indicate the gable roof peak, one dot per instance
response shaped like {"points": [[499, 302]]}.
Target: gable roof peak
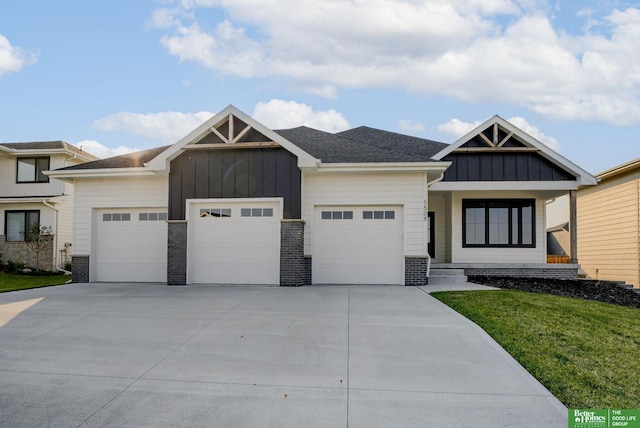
{"points": [[161, 162], [582, 176]]}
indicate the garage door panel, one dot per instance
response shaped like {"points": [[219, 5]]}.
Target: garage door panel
{"points": [[236, 249], [364, 248], [130, 250]]}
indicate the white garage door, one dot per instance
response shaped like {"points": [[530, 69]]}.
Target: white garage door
{"points": [[358, 245], [234, 243], [131, 245]]}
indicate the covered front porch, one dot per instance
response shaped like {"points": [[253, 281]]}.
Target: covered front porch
{"points": [[495, 233]]}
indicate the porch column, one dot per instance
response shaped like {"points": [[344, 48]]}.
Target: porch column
{"points": [[573, 226]]}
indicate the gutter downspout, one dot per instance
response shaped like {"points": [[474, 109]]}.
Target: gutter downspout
{"points": [[46, 203]]}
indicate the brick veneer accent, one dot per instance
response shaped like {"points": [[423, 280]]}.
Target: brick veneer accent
{"points": [[415, 271], [568, 272], [177, 252], [80, 268], [293, 264]]}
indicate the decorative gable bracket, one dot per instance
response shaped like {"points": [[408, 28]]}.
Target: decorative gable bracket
{"points": [[494, 138]]}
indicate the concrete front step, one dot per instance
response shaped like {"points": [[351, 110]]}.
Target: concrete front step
{"points": [[447, 276]]}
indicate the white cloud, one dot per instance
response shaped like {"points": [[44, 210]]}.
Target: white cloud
{"points": [[410, 126], [13, 58], [102, 151], [279, 114], [457, 128], [460, 48], [166, 127], [167, 18]]}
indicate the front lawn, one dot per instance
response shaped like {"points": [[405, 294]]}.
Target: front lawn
{"points": [[10, 282], [586, 353]]}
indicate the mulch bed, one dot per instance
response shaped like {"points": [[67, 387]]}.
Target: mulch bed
{"points": [[609, 292]]}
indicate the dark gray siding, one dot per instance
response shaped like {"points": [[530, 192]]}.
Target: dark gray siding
{"points": [[240, 173], [502, 167]]}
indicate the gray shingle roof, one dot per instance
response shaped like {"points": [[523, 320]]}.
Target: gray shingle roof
{"points": [[130, 160], [361, 145], [358, 145], [420, 147]]}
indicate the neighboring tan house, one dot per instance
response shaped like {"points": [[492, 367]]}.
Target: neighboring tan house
{"points": [[28, 196], [609, 225], [237, 202]]}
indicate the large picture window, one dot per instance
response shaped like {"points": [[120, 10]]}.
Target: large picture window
{"points": [[30, 170], [17, 223], [498, 223]]}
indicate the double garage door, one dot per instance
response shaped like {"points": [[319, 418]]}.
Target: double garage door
{"points": [[234, 243]]}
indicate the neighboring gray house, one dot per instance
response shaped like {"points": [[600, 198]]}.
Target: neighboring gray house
{"points": [[237, 202]]}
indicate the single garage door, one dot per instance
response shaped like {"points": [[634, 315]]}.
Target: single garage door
{"points": [[131, 245], [234, 243], [358, 245]]}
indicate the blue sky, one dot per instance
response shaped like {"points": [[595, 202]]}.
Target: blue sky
{"points": [[114, 76]]}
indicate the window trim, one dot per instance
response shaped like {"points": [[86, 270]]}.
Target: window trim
{"points": [[25, 219], [511, 204], [38, 169]]}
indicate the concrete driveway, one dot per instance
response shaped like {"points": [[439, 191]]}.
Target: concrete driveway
{"points": [[332, 356]]}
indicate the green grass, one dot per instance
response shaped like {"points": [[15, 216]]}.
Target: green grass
{"points": [[586, 353], [9, 282]]}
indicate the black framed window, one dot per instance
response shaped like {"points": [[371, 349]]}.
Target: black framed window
{"points": [[498, 223], [30, 170], [17, 223]]}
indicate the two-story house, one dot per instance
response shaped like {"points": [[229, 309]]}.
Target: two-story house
{"points": [[28, 196]]}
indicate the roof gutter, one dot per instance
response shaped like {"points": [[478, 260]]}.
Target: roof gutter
{"points": [[102, 172]]}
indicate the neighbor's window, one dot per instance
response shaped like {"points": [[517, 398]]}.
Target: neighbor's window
{"points": [[498, 223], [30, 170], [17, 223]]}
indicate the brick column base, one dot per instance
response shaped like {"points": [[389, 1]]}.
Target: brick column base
{"points": [[177, 252], [79, 268], [415, 271], [293, 265]]}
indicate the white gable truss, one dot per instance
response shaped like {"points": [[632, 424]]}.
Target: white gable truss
{"points": [[231, 128], [497, 135]]}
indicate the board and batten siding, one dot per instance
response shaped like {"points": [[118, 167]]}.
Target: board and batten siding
{"points": [[502, 167], [497, 255], [336, 189], [238, 173], [116, 192], [609, 229]]}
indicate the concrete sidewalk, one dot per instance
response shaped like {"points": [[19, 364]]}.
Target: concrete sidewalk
{"points": [[152, 355]]}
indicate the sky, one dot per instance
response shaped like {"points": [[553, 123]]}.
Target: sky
{"points": [[120, 75]]}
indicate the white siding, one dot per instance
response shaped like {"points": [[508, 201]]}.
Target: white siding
{"points": [[404, 189], [112, 193], [9, 187], [497, 255], [65, 222]]}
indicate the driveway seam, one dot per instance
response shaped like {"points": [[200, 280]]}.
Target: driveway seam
{"points": [[168, 355]]}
